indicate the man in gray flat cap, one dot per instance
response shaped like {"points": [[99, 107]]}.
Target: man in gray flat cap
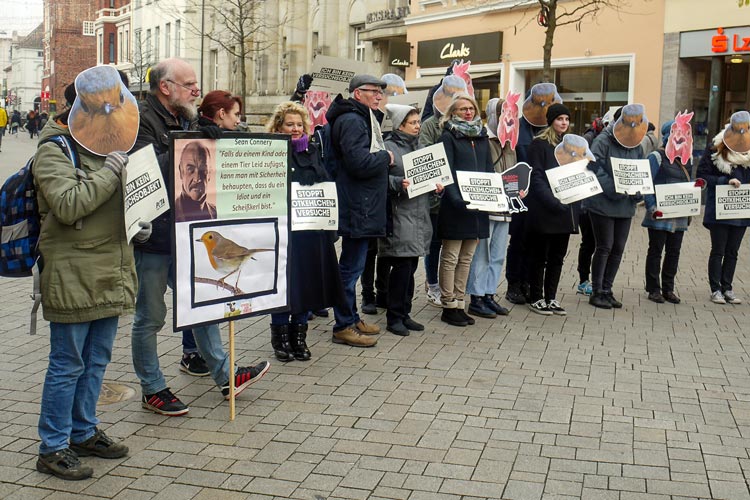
{"points": [[362, 184]]}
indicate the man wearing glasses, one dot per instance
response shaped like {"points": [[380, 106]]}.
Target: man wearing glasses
{"points": [[362, 184], [170, 106]]}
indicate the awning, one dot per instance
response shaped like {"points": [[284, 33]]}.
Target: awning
{"points": [[430, 81]]}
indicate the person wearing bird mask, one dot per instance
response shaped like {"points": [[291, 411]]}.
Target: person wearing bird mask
{"points": [[87, 282], [170, 106]]}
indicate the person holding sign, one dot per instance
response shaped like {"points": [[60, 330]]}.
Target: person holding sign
{"points": [[549, 222], [467, 148], [726, 162], [669, 165], [315, 282], [409, 230], [88, 281], [611, 212]]}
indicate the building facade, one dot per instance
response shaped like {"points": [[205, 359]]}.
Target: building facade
{"points": [[24, 74]]}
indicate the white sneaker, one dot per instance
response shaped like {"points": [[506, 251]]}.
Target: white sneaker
{"points": [[718, 298], [433, 297], [540, 307], [556, 308], [731, 297]]}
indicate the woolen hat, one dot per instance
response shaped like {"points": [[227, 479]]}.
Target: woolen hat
{"points": [[398, 113], [556, 110], [360, 80]]}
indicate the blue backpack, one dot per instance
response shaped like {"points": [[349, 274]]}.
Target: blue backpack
{"points": [[19, 215]]}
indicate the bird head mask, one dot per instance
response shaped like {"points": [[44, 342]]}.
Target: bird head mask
{"points": [[680, 141], [104, 117], [573, 148], [737, 133], [541, 97], [631, 127]]}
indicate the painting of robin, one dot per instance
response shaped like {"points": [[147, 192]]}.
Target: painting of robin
{"points": [[228, 257]]}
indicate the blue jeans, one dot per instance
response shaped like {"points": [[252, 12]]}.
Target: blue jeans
{"points": [[79, 354], [279, 319], [188, 342], [351, 266], [487, 265], [155, 272]]}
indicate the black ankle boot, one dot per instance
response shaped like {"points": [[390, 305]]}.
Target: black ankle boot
{"points": [[280, 343], [297, 338]]}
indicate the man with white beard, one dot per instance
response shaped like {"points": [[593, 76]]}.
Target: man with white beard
{"points": [[170, 106]]}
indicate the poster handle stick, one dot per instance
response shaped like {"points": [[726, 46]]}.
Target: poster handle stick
{"points": [[231, 370]]}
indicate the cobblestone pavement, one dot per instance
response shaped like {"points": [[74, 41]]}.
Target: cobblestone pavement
{"points": [[647, 402]]}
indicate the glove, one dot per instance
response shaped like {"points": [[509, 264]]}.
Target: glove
{"points": [[657, 214], [637, 196], [303, 84], [210, 131], [116, 161], [700, 183], [144, 234], [592, 166]]}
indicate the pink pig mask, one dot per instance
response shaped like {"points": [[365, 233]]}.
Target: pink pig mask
{"points": [[507, 125], [680, 142]]}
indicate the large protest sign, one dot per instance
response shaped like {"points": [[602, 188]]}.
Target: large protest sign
{"points": [[332, 74], [315, 206], [573, 182], [145, 193], [733, 203], [682, 199], [632, 176], [231, 228], [483, 190], [516, 179], [425, 168]]}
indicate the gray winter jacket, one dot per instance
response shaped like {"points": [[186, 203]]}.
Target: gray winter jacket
{"points": [[409, 229]]}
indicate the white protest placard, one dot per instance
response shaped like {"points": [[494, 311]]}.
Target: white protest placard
{"points": [[425, 168], [733, 203], [145, 193], [315, 207], [573, 182], [332, 74], [681, 199], [632, 176], [483, 190]]}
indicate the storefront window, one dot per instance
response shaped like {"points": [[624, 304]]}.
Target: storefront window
{"points": [[575, 80]]}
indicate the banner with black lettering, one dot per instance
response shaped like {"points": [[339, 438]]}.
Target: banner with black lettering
{"points": [[145, 193], [632, 176], [733, 203], [682, 199], [332, 74], [573, 182], [315, 207], [483, 190], [425, 168]]}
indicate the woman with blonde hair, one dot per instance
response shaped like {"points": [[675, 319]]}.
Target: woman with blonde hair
{"points": [[315, 282], [460, 228]]}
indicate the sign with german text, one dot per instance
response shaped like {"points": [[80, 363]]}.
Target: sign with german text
{"points": [[425, 168], [145, 193], [632, 176], [573, 182], [733, 203], [315, 207], [332, 74], [682, 199], [483, 190]]}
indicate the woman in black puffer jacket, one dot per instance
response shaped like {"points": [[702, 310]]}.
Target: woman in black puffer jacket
{"points": [[467, 148]]}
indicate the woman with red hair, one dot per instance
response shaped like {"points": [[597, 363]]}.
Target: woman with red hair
{"points": [[220, 108]]}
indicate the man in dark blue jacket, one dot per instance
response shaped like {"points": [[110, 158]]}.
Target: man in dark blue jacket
{"points": [[362, 184]]}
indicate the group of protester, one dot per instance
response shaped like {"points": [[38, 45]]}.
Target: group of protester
{"points": [[91, 275]]}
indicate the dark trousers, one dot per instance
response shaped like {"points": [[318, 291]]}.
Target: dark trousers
{"points": [[516, 270], [374, 279], [546, 261], [725, 244], [611, 234], [400, 272], [587, 248], [670, 243], [432, 259]]}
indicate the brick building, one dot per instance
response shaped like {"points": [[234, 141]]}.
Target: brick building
{"points": [[69, 46]]}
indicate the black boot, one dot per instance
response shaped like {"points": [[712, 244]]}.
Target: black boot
{"points": [[280, 343], [297, 338]]}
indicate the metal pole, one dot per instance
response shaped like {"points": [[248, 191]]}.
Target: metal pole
{"points": [[203, 27]]}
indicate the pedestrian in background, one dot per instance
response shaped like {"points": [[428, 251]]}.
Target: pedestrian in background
{"points": [[220, 108], [3, 124]]}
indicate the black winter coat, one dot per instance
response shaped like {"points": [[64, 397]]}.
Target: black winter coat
{"points": [[156, 124], [719, 172], [546, 214], [362, 177], [455, 221]]}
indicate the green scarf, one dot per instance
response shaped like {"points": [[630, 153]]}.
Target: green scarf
{"points": [[469, 129]]}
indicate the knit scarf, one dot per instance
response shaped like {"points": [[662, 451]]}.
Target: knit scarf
{"points": [[469, 129], [300, 144]]}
